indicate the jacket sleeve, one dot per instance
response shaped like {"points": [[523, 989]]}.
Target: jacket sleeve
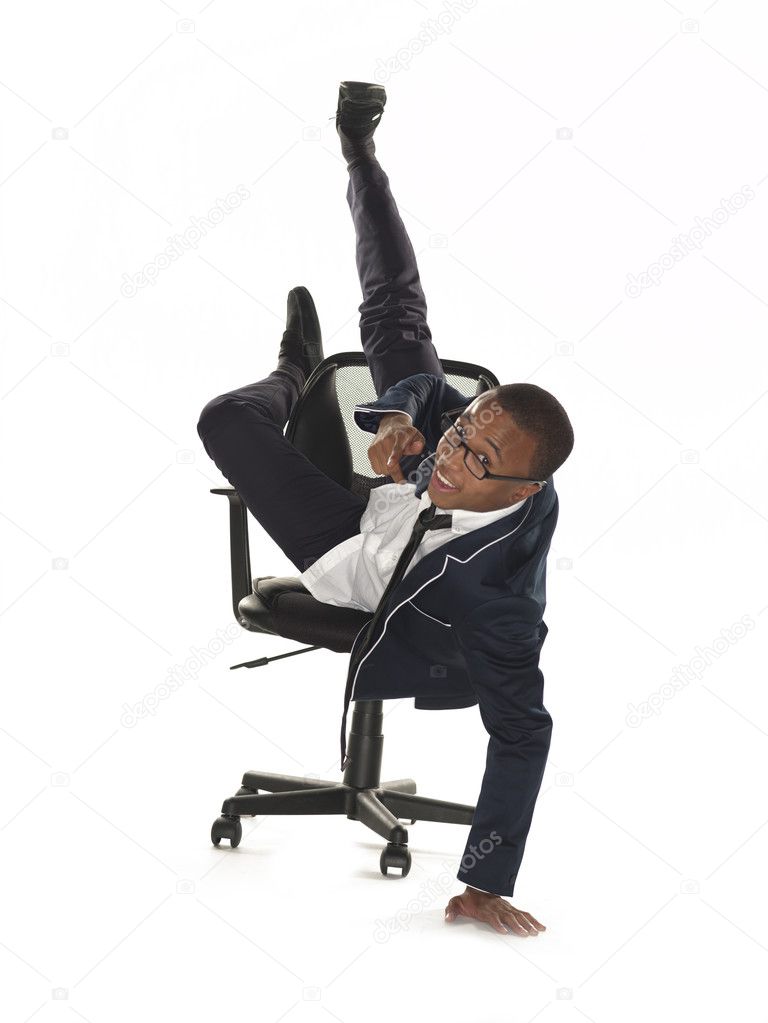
{"points": [[501, 641], [423, 396]]}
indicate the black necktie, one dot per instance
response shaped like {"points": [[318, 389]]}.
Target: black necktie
{"points": [[425, 521]]}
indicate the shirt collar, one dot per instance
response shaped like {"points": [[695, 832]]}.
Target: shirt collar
{"points": [[463, 521]]}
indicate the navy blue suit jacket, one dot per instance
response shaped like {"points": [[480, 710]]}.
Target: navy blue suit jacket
{"points": [[466, 627]]}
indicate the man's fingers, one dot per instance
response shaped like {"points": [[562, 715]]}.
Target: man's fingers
{"points": [[517, 926], [380, 455], [393, 466], [533, 920], [496, 922], [385, 454], [519, 923], [525, 923], [453, 909], [395, 453]]}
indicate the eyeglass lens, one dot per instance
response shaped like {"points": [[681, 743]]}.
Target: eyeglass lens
{"points": [[471, 460]]}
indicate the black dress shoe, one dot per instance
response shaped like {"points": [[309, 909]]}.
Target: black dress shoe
{"points": [[358, 112], [302, 342]]}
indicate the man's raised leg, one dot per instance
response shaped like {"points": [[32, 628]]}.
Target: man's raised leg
{"points": [[393, 315]]}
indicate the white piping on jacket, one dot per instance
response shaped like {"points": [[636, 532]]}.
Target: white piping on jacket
{"points": [[362, 408], [446, 624], [445, 562]]}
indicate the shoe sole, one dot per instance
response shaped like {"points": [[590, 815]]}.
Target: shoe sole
{"points": [[360, 96], [357, 92]]}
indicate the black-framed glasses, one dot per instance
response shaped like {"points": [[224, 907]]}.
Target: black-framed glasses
{"points": [[455, 433]]}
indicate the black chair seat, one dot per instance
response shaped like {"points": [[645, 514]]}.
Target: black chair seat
{"points": [[283, 606]]}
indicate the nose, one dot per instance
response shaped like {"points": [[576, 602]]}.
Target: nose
{"points": [[451, 456]]}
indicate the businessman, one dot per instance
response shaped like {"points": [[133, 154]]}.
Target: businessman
{"points": [[464, 626]]}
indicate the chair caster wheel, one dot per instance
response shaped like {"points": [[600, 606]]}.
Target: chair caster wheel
{"points": [[395, 856], [227, 827]]}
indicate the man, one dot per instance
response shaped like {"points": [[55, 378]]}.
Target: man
{"points": [[472, 599]]}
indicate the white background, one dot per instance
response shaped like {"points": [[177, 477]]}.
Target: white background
{"points": [[539, 153]]}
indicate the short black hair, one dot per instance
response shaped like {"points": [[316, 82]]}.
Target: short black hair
{"points": [[538, 413]]}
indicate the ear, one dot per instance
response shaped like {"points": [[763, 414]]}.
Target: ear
{"points": [[524, 492]]}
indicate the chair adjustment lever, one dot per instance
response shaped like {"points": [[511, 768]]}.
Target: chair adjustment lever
{"points": [[260, 661]]}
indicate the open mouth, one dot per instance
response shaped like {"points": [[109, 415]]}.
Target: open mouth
{"points": [[442, 482]]}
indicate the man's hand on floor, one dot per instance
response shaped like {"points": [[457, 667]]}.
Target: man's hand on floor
{"points": [[493, 910]]}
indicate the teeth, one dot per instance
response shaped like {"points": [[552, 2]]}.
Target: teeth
{"points": [[444, 480]]}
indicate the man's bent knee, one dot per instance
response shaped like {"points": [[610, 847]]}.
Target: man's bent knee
{"points": [[223, 405], [228, 408]]}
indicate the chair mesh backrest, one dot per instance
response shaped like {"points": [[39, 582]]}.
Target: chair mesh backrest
{"points": [[354, 386]]}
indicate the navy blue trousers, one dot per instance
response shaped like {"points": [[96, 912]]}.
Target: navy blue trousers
{"points": [[304, 511]]}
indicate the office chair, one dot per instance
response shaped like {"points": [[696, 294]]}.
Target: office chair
{"points": [[323, 428]]}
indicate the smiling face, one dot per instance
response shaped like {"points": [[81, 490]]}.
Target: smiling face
{"points": [[501, 447]]}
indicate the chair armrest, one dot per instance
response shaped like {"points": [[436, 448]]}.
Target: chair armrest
{"points": [[239, 552]]}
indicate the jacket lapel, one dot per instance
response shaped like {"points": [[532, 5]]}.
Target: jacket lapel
{"points": [[430, 568]]}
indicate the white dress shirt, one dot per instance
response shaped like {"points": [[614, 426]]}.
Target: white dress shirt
{"points": [[355, 572]]}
